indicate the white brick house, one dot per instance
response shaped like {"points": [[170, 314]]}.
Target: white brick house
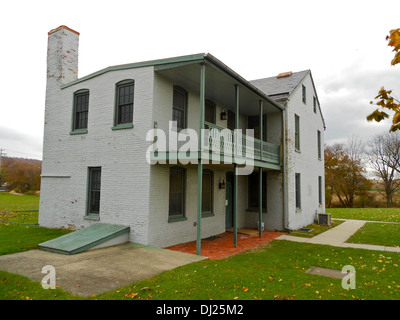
{"points": [[96, 147]]}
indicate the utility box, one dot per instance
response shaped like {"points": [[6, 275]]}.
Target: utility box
{"points": [[324, 219]]}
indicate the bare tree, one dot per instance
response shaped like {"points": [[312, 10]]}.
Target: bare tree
{"points": [[384, 159]]}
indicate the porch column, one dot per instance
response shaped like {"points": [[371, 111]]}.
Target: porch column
{"points": [[260, 173], [200, 164], [235, 192]]}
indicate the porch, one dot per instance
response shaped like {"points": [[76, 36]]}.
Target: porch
{"points": [[212, 108], [221, 246]]}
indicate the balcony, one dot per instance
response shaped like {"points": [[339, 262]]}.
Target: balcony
{"points": [[229, 143]]}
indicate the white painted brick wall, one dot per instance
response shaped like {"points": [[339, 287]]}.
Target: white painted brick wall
{"points": [[306, 161], [121, 154]]}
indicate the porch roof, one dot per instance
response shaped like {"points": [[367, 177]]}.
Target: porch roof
{"points": [[220, 80]]}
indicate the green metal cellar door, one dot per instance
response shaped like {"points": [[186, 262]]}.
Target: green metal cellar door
{"points": [[84, 239]]}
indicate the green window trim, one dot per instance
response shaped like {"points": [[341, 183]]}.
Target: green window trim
{"points": [[125, 89], [210, 112], [80, 118], [298, 191], [319, 145], [177, 194], [208, 175], [180, 107], [320, 190], [93, 192], [303, 93], [122, 126], [297, 132]]}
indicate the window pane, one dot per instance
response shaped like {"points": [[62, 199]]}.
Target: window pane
{"points": [[81, 110], [297, 132], [298, 193], [231, 120], [209, 114], [179, 107], [176, 192], [94, 190], [125, 103]]}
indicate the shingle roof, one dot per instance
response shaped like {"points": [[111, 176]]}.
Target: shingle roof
{"points": [[282, 87]]}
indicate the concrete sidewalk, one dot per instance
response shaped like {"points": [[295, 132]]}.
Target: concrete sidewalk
{"points": [[95, 271], [338, 236]]}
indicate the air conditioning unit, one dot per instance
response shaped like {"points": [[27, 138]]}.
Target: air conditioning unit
{"points": [[324, 219]]}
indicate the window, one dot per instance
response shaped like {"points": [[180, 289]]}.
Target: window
{"points": [[315, 104], [81, 110], [319, 144], [297, 132], [320, 190], [231, 120], [179, 107], [254, 190], [253, 122], [298, 191], [94, 190], [176, 193], [124, 108], [303, 95], [207, 194], [209, 114]]}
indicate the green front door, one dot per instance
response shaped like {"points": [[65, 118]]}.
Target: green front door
{"points": [[229, 200]]}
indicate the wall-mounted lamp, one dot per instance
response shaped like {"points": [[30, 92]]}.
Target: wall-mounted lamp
{"points": [[224, 115], [222, 184]]}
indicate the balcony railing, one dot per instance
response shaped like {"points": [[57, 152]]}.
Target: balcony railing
{"points": [[231, 143]]}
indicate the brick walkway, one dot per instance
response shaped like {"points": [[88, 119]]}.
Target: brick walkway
{"points": [[221, 246]]}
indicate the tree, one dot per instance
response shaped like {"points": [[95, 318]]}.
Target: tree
{"points": [[383, 157], [345, 173], [22, 175], [386, 101]]}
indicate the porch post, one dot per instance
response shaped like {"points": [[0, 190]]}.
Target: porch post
{"points": [[235, 192], [260, 173], [200, 164]]}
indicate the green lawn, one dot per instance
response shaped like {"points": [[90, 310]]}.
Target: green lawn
{"points": [[384, 234], [12, 202], [18, 231], [277, 271], [371, 214], [274, 271]]}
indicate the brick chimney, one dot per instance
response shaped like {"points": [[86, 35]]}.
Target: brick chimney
{"points": [[62, 55]]}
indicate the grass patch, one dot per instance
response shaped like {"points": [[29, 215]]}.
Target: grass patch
{"points": [[17, 230], [274, 273], [12, 202], [384, 234], [16, 287], [371, 214], [316, 229]]}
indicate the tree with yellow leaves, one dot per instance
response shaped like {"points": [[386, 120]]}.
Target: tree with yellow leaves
{"points": [[385, 97]]}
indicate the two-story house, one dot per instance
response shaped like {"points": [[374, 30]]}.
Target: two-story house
{"points": [[126, 146]]}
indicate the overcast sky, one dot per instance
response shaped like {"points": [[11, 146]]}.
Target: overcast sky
{"points": [[341, 42]]}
